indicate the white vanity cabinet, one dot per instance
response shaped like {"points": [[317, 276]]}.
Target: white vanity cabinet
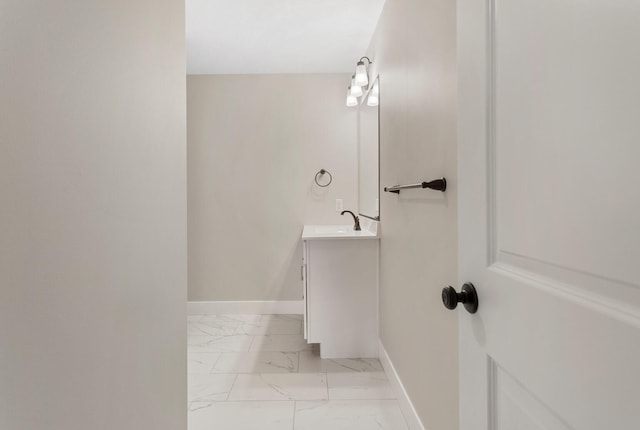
{"points": [[340, 287]]}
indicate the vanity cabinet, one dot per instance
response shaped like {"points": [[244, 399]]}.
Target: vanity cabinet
{"points": [[340, 288]]}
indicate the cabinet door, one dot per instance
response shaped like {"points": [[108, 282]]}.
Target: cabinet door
{"points": [[303, 276]]}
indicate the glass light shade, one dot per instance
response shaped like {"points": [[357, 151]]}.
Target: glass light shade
{"points": [[351, 100], [375, 90], [372, 100], [361, 78], [356, 90]]}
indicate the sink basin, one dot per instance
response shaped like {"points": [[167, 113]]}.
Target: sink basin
{"points": [[332, 229]]}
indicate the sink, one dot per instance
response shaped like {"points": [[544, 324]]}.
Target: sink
{"points": [[332, 229], [336, 232]]}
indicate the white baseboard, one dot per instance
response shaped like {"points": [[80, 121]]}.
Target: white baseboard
{"points": [[246, 308], [410, 414]]}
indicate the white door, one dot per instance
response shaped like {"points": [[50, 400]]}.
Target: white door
{"points": [[549, 132]]}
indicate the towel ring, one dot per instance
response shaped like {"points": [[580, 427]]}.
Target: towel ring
{"points": [[320, 173]]}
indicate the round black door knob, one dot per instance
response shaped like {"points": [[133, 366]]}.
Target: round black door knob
{"points": [[467, 296]]}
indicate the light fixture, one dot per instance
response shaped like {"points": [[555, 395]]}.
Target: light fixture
{"points": [[374, 94], [359, 84], [361, 77], [356, 90], [351, 99]]}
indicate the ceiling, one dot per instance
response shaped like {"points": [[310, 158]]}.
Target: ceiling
{"points": [[278, 36]]}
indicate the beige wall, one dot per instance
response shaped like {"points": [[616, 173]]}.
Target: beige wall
{"points": [[255, 143], [414, 53], [93, 219]]}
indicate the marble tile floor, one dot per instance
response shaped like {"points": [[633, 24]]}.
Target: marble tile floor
{"points": [[256, 372]]}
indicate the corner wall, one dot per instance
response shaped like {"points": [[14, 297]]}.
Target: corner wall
{"points": [[93, 220], [414, 51], [255, 143]]}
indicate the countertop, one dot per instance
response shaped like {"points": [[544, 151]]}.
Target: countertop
{"points": [[332, 232]]}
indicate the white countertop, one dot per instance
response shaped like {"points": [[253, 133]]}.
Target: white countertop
{"points": [[324, 232]]}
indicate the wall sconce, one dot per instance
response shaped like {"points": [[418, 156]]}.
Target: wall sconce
{"points": [[359, 82], [356, 90], [361, 77], [351, 99]]}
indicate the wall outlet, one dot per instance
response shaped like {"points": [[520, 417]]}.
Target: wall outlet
{"points": [[339, 206]]}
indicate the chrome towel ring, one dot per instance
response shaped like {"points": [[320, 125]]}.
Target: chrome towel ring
{"points": [[321, 173]]}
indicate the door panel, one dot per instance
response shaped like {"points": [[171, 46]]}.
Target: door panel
{"points": [[517, 409], [566, 134], [549, 213], [571, 352]]}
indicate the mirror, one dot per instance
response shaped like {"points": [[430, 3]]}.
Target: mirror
{"points": [[368, 153]]}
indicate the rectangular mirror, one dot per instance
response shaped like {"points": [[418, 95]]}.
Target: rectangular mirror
{"points": [[368, 153]]}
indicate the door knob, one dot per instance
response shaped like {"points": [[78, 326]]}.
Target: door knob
{"points": [[467, 296]]}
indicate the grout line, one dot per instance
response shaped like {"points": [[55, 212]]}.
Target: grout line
{"points": [[231, 388], [253, 339], [355, 400], [326, 380], [215, 363], [267, 401], [295, 403]]}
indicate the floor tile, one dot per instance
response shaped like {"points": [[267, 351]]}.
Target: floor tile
{"points": [[257, 362], [360, 385], [209, 388], [239, 318], [241, 416], [251, 372], [311, 362], [283, 317], [212, 328], [270, 327], [349, 415], [234, 343], [280, 386], [202, 362], [194, 318], [280, 342]]}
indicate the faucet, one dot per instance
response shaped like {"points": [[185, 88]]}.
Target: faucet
{"points": [[356, 220]]}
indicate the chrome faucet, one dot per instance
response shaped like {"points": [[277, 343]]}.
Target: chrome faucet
{"points": [[356, 220]]}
